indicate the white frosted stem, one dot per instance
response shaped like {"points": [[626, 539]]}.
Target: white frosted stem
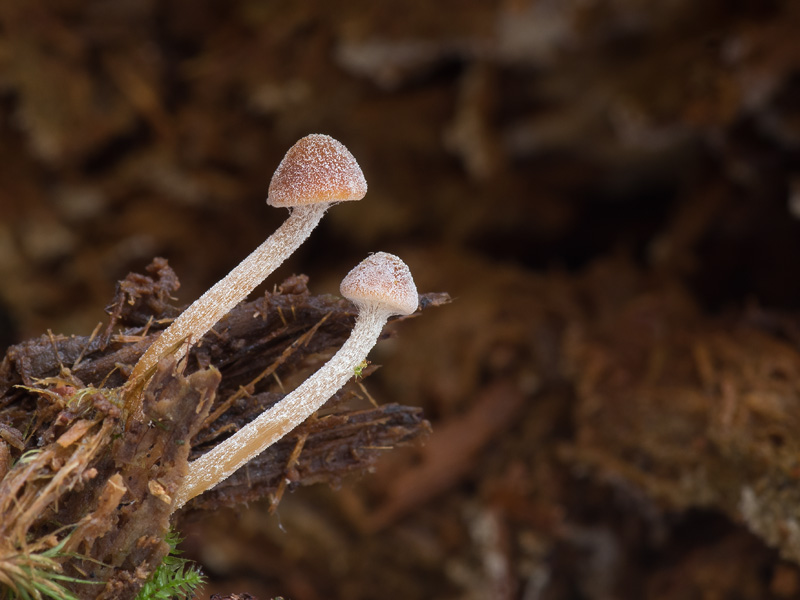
{"points": [[252, 439], [218, 301]]}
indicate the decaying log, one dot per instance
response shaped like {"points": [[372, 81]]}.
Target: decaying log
{"points": [[104, 485]]}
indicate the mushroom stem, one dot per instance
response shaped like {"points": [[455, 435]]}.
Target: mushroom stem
{"points": [[381, 286], [270, 426], [218, 301]]}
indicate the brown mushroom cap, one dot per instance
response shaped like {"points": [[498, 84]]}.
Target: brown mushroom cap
{"points": [[382, 279], [316, 169]]}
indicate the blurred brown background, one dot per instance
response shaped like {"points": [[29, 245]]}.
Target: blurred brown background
{"points": [[610, 190]]}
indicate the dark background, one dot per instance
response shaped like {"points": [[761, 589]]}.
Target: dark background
{"points": [[544, 162]]}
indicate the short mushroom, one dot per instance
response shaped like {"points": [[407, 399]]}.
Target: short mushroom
{"points": [[380, 286], [316, 172]]}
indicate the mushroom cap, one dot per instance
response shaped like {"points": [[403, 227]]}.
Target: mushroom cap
{"points": [[316, 169], [382, 279]]}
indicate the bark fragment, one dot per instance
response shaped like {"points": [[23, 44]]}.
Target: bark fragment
{"points": [[109, 482]]}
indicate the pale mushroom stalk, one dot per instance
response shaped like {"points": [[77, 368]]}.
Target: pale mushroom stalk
{"points": [[316, 172], [381, 286], [217, 301]]}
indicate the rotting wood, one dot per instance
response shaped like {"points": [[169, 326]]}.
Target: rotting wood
{"points": [[108, 485]]}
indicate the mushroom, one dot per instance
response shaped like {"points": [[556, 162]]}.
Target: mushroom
{"points": [[380, 286], [316, 172]]}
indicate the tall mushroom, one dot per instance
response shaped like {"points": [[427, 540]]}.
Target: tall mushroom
{"points": [[316, 172], [380, 286]]}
